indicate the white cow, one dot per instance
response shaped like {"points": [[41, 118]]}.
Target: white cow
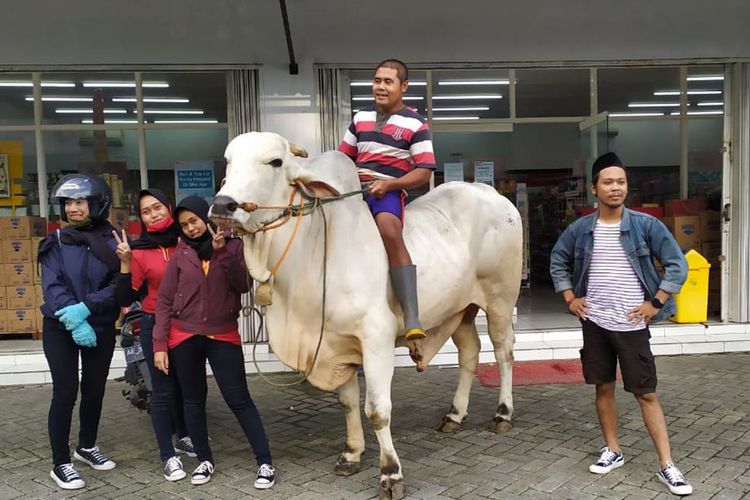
{"points": [[464, 238]]}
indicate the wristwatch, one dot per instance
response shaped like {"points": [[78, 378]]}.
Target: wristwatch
{"points": [[657, 303]]}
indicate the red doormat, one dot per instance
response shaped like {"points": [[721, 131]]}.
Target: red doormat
{"points": [[535, 373]]}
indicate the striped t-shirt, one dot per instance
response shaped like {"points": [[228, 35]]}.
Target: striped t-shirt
{"points": [[613, 287], [391, 144]]}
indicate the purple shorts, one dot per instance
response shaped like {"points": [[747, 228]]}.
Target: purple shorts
{"points": [[393, 203]]}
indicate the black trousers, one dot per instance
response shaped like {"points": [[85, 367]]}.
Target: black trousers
{"points": [[228, 365], [62, 356], [167, 416]]}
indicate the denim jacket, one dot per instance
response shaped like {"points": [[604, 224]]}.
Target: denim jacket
{"points": [[643, 238]]}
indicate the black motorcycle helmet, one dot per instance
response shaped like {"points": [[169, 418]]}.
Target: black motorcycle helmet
{"points": [[83, 186]]}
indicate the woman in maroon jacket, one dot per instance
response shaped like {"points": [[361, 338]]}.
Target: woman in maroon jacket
{"points": [[196, 319]]}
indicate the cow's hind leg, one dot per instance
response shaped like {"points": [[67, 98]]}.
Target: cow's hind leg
{"points": [[349, 460], [468, 344], [500, 327], [378, 365]]}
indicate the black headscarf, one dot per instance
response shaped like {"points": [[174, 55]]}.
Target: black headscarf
{"points": [[148, 239], [203, 243]]}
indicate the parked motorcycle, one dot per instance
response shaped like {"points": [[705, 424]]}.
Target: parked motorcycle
{"points": [[136, 374]]}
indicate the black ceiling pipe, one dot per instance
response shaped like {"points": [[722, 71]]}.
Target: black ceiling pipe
{"points": [[293, 68]]}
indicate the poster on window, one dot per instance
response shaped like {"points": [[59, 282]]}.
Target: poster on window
{"points": [[4, 176], [194, 178], [484, 172], [453, 172]]}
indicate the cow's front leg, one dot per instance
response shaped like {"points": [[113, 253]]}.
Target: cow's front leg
{"points": [[349, 460], [379, 374]]}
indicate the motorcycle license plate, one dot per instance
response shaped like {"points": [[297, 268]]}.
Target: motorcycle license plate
{"points": [[134, 353]]}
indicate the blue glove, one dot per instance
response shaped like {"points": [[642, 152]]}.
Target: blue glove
{"points": [[84, 335], [72, 316]]}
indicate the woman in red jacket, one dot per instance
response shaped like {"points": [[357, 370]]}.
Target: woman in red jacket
{"points": [[196, 320], [142, 265]]}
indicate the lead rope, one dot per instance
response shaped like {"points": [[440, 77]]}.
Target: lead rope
{"points": [[252, 308]]}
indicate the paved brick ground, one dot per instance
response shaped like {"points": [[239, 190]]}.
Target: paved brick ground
{"points": [[545, 456]]}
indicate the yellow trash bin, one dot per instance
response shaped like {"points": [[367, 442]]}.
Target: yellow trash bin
{"points": [[692, 301]]}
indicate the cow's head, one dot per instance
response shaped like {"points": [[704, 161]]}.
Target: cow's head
{"points": [[261, 168]]}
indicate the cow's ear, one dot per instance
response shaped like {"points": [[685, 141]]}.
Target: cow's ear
{"points": [[314, 188]]}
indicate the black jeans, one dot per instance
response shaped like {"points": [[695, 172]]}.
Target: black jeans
{"points": [[189, 361], [62, 357], [167, 416]]}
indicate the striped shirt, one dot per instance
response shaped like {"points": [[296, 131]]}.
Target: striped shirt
{"points": [[613, 287], [391, 144]]}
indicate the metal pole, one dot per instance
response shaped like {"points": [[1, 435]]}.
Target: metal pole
{"points": [[683, 134], [41, 164], [142, 164]]}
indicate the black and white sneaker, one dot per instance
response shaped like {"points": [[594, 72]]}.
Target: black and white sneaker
{"points": [[172, 469], [95, 458], [266, 477], [608, 460], [185, 446], [202, 473], [675, 480], [67, 477]]}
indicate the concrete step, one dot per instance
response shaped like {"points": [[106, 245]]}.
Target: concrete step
{"points": [[29, 366]]}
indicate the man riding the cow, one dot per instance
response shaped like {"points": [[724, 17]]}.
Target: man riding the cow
{"points": [[392, 147]]}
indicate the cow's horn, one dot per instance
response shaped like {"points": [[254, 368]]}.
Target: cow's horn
{"points": [[297, 151]]}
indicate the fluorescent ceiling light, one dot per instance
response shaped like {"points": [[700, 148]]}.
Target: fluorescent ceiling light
{"points": [[170, 100], [186, 121], [474, 82], [90, 122], [468, 108], [455, 118], [172, 111], [485, 96], [705, 78], [689, 92], [31, 84], [412, 83], [107, 111], [711, 103], [717, 112], [654, 105], [622, 115], [406, 98], [114, 84], [61, 99]]}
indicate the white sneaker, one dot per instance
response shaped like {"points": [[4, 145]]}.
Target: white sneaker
{"points": [[675, 481], [172, 468], [266, 477], [95, 458], [202, 473], [608, 460], [67, 477]]}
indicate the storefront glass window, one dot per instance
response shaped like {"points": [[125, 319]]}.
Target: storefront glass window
{"points": [[87, 98], [181, 161], [638, 92], [552, 92], [184, 98], [16, 99], [18, 174], [111, 153], [470, 94]]}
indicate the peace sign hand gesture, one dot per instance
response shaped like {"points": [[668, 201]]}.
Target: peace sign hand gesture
{"points": [[218, 238], [123, 247]]}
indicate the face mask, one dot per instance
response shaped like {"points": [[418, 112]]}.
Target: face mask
{"points": [[161, 226]]}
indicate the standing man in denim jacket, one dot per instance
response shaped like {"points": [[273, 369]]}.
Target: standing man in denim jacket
{"points": [[603, 266]]}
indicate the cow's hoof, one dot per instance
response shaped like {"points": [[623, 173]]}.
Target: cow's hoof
{"points": [[449, 426], [392, 489], [500, 426], [345, 468]]}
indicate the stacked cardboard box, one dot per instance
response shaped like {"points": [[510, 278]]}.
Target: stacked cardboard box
{"points": [[20, 293]]}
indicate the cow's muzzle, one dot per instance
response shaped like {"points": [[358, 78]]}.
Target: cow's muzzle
{"points": [[224, 206]]}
